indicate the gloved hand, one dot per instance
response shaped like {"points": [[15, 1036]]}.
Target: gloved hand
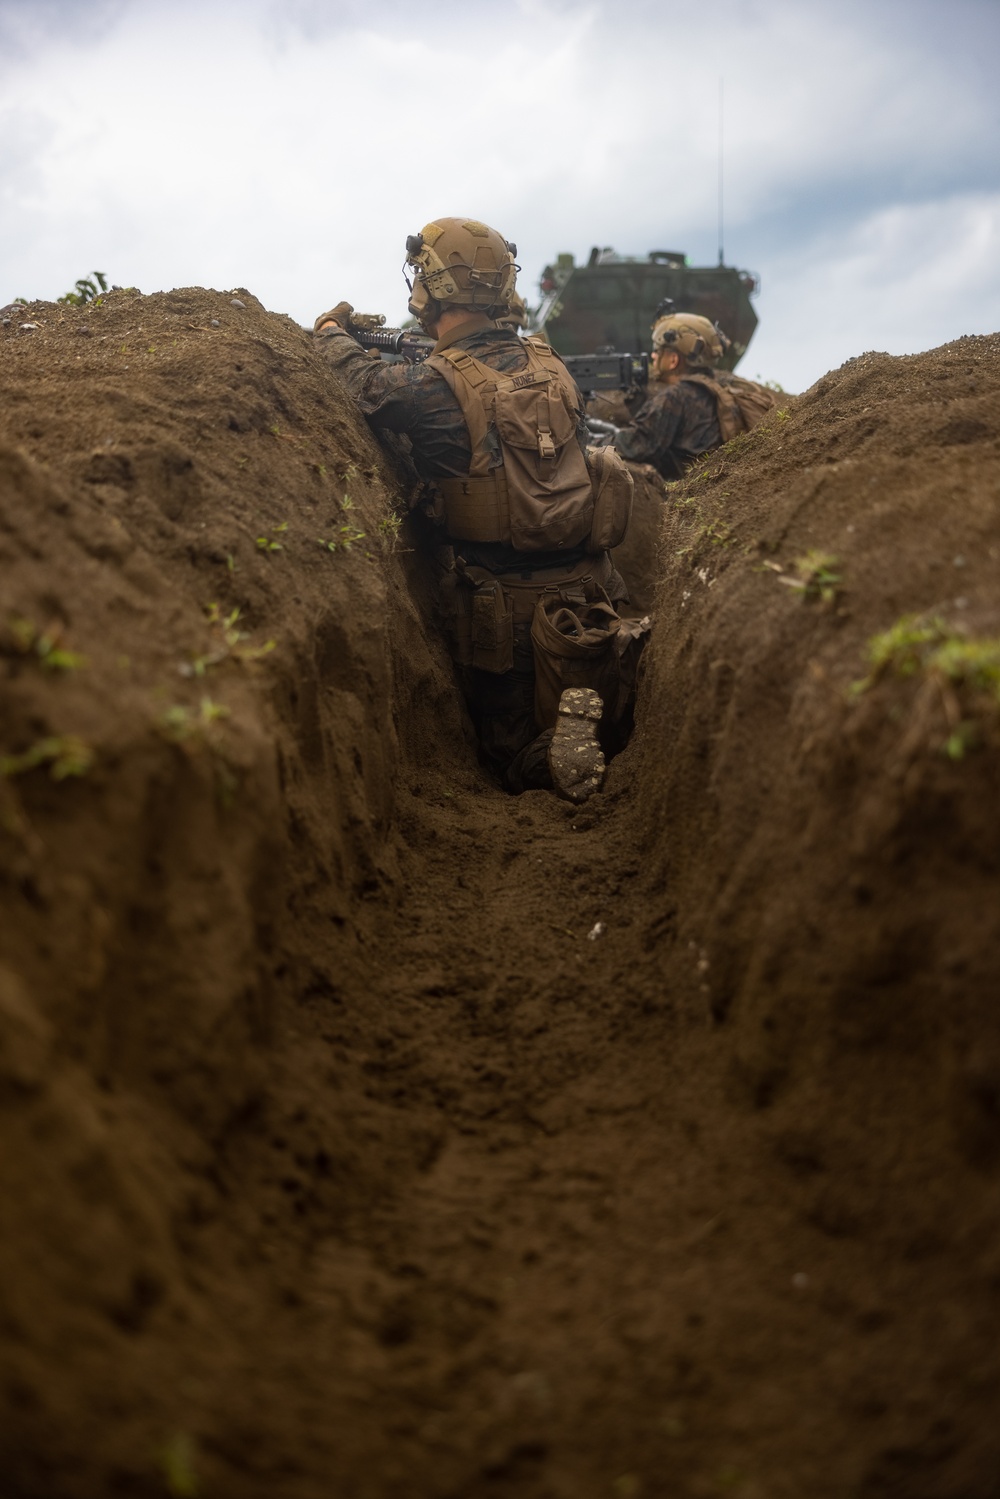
{"points": [[602, 433], [341, 315]]}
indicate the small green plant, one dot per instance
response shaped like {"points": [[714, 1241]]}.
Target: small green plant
{"points": [[234, 641], [268, 544], [813, 576], [88, 289], [181, 723], [963, 737], [64, 754], [28, 640], [389, 528], [342, 540], [177, 1464], [717, 533], [916, 644]]}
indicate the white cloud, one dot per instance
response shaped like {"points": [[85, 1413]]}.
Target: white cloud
{"points": [[291, 147], [904, 280]]}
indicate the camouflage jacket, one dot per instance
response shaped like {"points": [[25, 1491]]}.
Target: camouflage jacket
{"points": [[416, 400], [675, 424]]}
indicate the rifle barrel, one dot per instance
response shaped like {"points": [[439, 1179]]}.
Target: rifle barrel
{"points": [[399, 341]]}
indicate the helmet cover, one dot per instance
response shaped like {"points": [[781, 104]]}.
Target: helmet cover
{"points": [[698, 340], [462, 263]]}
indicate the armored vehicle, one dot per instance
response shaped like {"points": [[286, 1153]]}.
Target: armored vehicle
{"points": [[610, 302]]}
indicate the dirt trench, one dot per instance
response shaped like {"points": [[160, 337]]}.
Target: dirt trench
{"points": [[339, 1158]]}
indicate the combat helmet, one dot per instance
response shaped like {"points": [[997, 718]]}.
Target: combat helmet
{"points": [[461, 263], [702, 343]]}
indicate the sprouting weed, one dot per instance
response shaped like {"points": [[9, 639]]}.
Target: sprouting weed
{"points": [[388, 531], [28, 640], [342, 540], [209, 712], [88, 289], [177, 1463], [813, 576], [267, 543], [235, 643], [916, 644], [964, 736], [182, 723], [66, 755]]}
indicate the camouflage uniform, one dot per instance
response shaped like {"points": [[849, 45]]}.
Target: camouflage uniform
{"points": [[414, 399], [676, 424]]}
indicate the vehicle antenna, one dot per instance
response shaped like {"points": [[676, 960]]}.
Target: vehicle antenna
{"points": [[721, 256]]}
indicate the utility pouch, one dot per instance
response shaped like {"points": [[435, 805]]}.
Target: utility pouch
{"points": [[492, 628], [613, 487], [456, 613], [541, 497], [575, 645]]}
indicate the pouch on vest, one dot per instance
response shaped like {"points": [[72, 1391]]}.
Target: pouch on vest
{"points": [[456, 613], [492, 628], [613, 488], [575, 645], [549, 493], [541, 497]]}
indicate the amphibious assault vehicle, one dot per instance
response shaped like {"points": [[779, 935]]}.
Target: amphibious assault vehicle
{"points": [[610, 302]]}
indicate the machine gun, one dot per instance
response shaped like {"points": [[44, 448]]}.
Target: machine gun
{"points": [[595, 373]]}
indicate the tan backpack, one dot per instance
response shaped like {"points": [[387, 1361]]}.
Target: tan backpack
{"points": [[740, 404], [542, 496]]}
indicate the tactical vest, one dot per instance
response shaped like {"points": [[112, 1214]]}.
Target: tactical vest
{"points": [[540, 495], [740, 404]]}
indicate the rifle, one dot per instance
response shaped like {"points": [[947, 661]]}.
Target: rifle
{"points": [[394, 344], [593, 373]]}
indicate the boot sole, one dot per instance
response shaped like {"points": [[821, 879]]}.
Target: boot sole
{"points": [[576, 760]]}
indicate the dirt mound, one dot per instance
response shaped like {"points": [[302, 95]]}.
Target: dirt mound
{"points": [[367, 1131]]}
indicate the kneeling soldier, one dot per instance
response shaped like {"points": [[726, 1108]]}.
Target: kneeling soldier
{"points": [[528, 513]]}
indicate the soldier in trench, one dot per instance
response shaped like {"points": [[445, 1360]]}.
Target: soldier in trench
{"points": [[690, 407], [524, 518]]}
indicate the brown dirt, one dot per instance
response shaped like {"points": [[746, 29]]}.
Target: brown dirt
{"points": [[336, 1159]]}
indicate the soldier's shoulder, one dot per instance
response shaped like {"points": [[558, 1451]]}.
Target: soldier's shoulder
{"points": [[665, 396]]}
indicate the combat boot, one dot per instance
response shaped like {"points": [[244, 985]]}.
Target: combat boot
{"points": [[576, 760]]}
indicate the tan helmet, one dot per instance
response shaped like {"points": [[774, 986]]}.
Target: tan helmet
{"points": [[700, 342], [460, 263]]}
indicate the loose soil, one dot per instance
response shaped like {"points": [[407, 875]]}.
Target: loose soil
{"points": [[367, 1132]]}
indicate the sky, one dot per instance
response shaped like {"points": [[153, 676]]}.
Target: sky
{"points": [[289, 147]]}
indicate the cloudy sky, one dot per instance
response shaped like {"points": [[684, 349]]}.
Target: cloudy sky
{"points": [[289, 146]]}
